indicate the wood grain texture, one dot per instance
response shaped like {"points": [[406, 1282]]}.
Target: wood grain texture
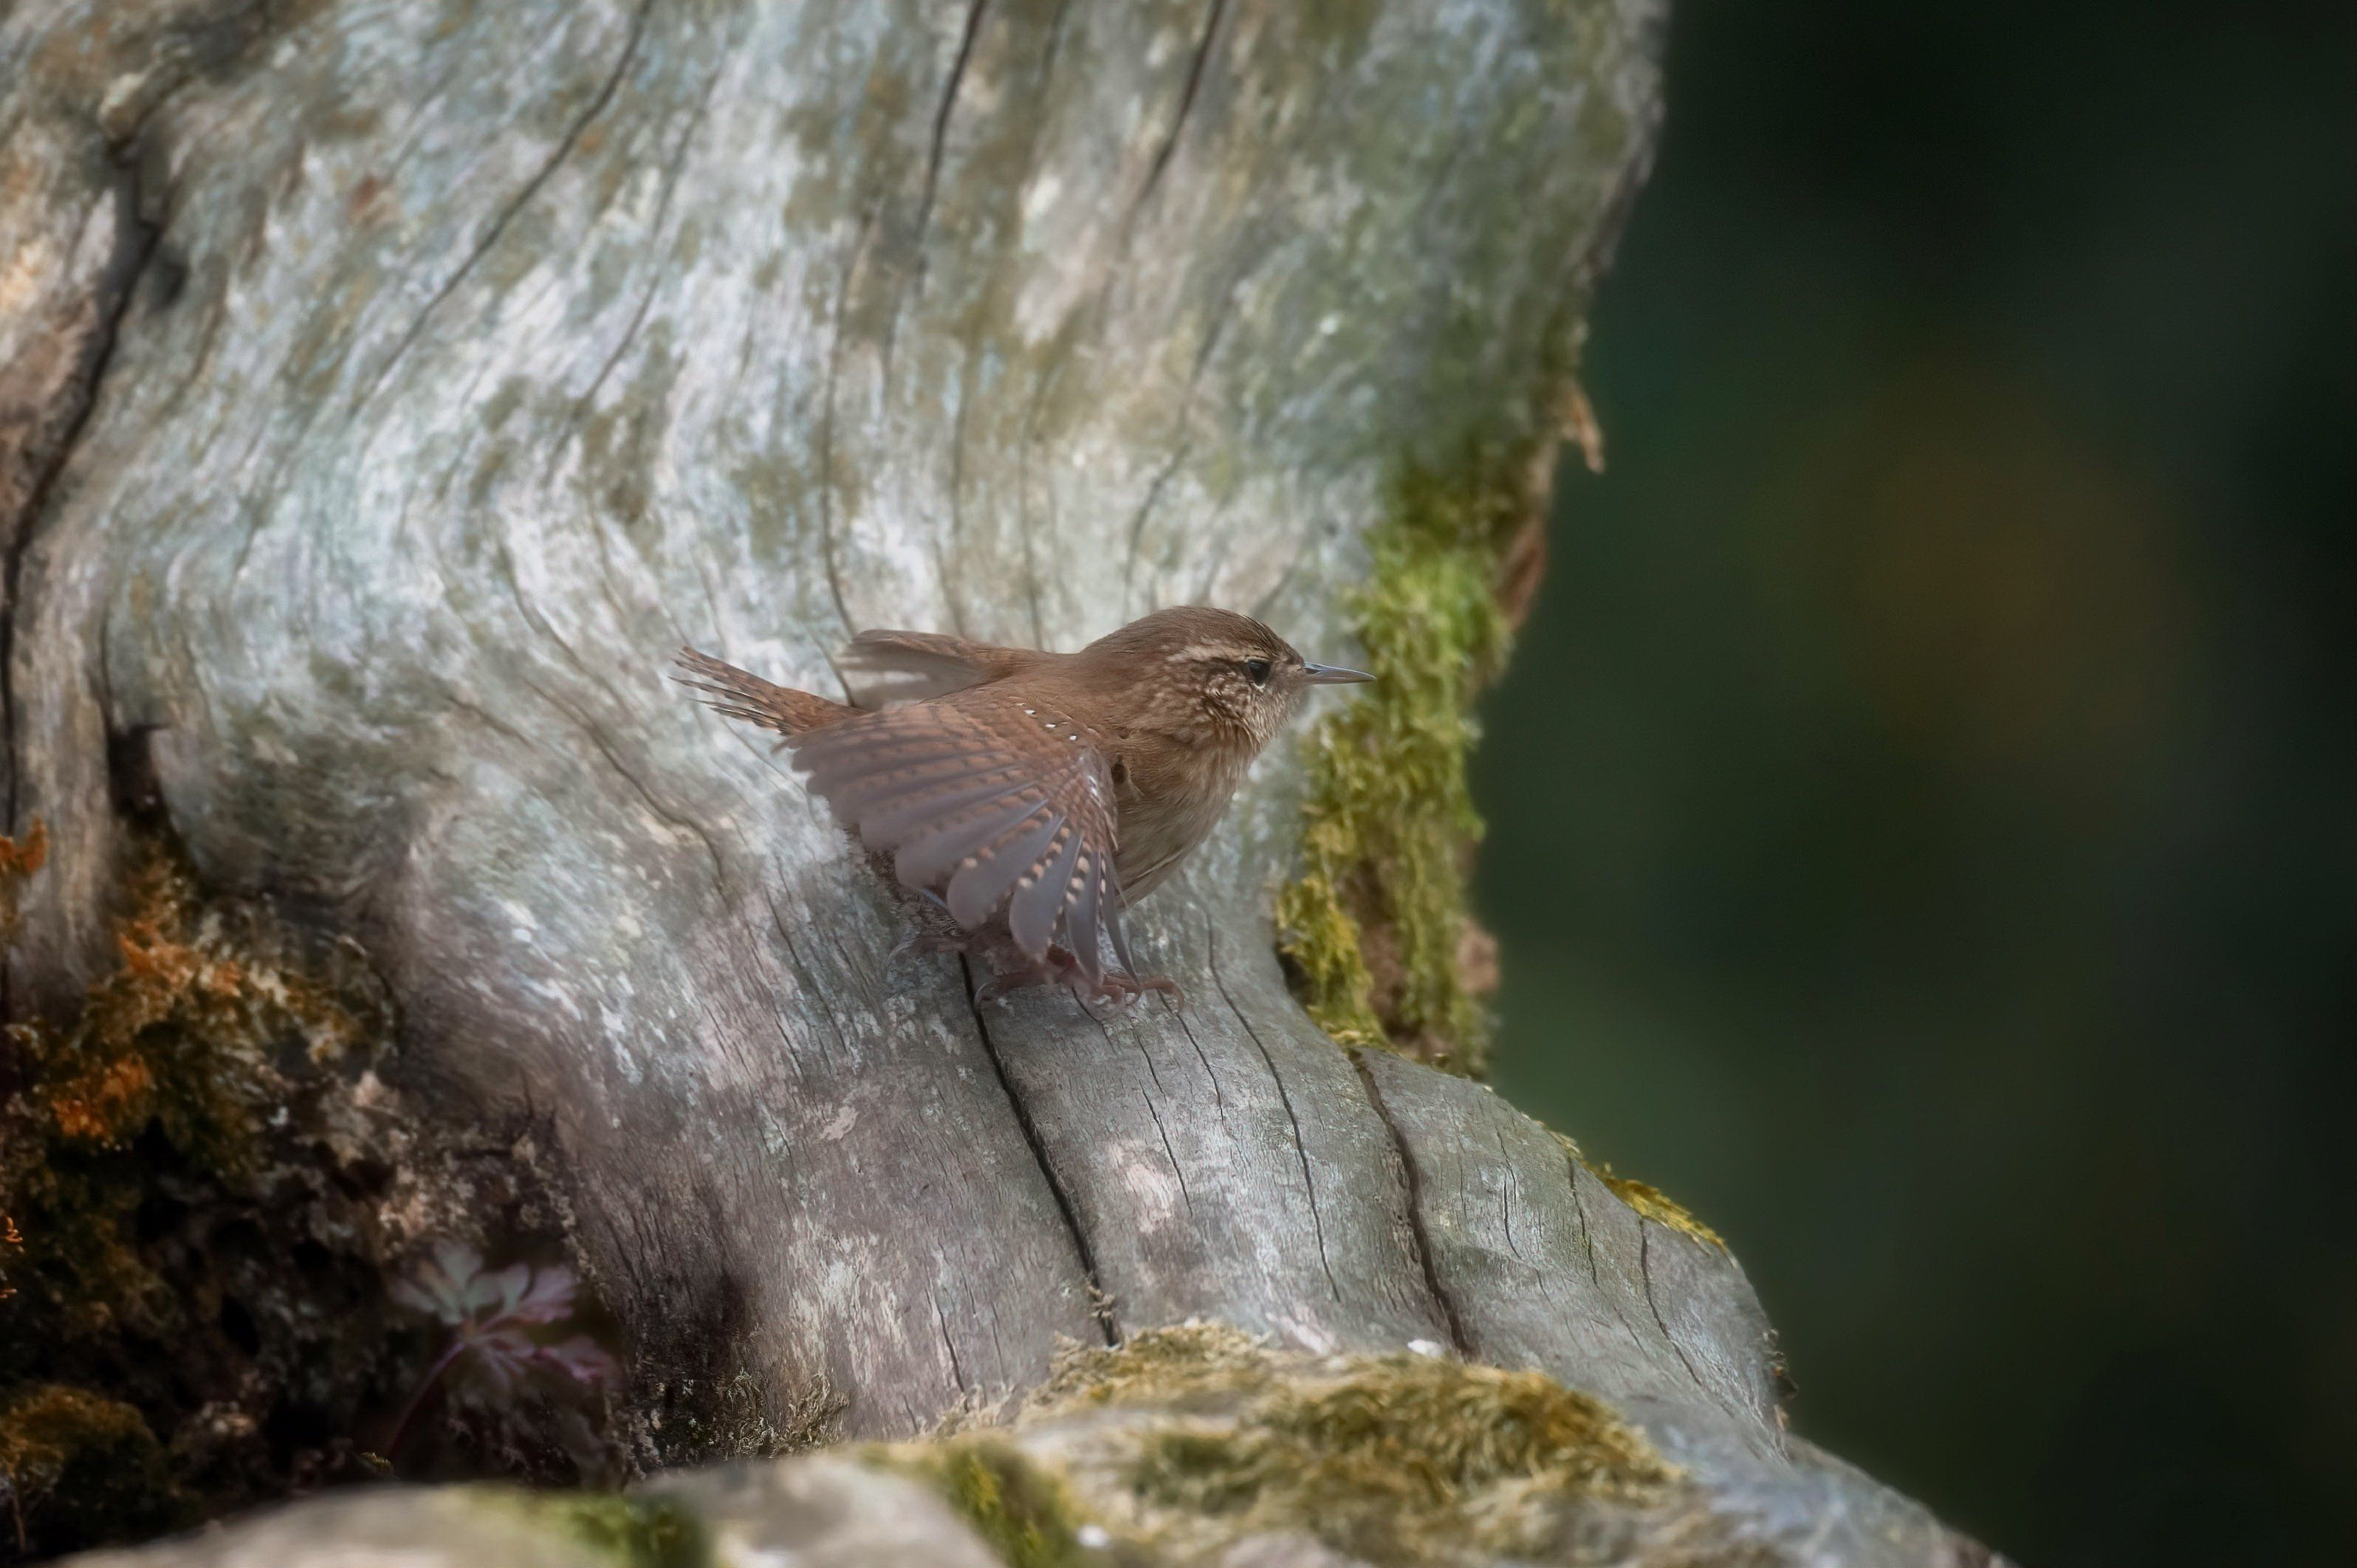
{"points": [[1543, 1266], [390, 387]]}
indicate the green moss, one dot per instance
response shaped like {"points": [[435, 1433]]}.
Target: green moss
{"points": [[1397, 1459], [1376, 922], [1660, 1208], [1180, 1365], [1648, 1201], [1021, 1510], [162, 1155], [183, 1039], [72, 1463], [641, 1532]]}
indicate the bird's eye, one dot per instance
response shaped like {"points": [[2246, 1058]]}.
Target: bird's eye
{"points": [[1258, 669]]}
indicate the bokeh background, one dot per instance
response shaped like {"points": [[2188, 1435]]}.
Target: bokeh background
{"points": [[1923, 805]]}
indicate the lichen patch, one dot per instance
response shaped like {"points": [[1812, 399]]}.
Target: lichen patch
{"points": [[19, 859]]}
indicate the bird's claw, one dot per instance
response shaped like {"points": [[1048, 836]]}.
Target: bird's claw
{"points": [[999, 986], [1060, 967], [1125, 989], [921, 942]]}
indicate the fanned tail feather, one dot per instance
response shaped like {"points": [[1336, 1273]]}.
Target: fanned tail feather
{"points": [[740, 694]]}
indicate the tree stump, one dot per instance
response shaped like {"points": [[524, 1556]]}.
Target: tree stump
{"points": [[386, 390]]}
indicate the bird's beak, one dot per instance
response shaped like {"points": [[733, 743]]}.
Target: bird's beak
{"points": [[1331, 675]]}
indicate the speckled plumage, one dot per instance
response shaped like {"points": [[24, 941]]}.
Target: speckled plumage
{"points": [[1022, 798]]}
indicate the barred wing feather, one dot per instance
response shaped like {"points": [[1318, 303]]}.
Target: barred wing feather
{"points": [[971, 804]]}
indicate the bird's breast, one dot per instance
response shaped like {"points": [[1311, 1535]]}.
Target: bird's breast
{"points": [[1168, 806]]}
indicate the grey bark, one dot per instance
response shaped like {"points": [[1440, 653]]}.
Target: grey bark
{"points": [[389, 387]]}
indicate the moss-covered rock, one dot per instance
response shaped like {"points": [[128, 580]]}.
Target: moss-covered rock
{"points": [[633, 1531], [1194, 1438], [75, 1464], [1024, 1512]]}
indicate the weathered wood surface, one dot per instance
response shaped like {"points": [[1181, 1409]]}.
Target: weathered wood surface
{"points": [[389, 387]]}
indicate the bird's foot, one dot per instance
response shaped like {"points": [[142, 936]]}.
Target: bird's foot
{"points": [[1005, 982], [1123, 990], [1130, 987], [1060, 966], [926, 942]]}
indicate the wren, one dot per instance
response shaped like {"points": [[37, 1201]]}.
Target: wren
{"points": [[1018, 800]]}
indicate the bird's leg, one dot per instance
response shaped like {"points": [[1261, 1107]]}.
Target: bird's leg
{"points": [[1162, 985], [1124, 989], [1056, 966], [915, 942], [1060, 966], [1006, 982], [931, 929]]}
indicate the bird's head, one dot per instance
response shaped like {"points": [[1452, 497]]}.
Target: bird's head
{"points": [[1194, 669]]}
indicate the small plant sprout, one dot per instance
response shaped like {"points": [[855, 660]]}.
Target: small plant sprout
{"points": [[492, 1316]]}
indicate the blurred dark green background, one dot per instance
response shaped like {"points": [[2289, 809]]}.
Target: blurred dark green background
{"points": [[1923, 807]]}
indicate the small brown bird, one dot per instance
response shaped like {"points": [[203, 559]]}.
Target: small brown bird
{"points": [[1023, 798]]}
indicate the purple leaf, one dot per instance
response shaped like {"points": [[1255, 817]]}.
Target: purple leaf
{"points": [[491, 1316], [583, 1360], [439, 1285], [503, 1355], [547, 1299], [457, 1262], [498, 1374], [495, 1293]]}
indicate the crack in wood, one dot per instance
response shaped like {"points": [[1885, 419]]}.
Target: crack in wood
{"points": [[1219, 1096], [1168, 1153], [826, 429], [942, 130], [135, 241], [957, 1371], [1587, 1241], [517, 203], [1186, 103], [1506, 1195], [673, 168], [1300, 1145], [1419, 1234], [811, 988], [597, 741], [1143, 1055], [1100, 1302], [134, 246], [1645, 1276]]}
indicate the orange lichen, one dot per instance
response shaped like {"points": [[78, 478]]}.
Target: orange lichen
{"points": [[102, 1105], [19, 859]]}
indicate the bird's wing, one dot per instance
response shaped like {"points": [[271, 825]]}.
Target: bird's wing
{"points": [[992, 800], [882, 669]]}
